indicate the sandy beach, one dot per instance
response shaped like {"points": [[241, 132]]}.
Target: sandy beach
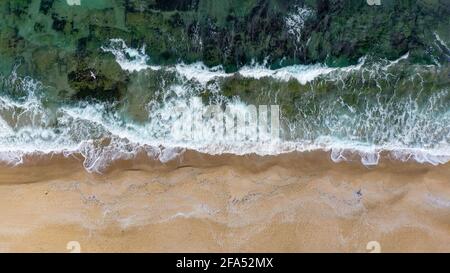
{"points": [[200, 203]]}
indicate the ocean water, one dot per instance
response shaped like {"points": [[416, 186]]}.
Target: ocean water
{"points": [[371, 112]]}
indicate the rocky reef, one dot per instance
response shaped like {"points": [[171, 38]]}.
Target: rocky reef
{"points": [[59, 42]]}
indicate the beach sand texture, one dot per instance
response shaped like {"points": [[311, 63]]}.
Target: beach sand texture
{"points": [[297, 202]]}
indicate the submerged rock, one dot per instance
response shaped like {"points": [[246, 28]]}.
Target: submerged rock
{"points": [[60, 43]]}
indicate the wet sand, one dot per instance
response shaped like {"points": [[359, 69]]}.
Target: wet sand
{"points": [[201, 203]]}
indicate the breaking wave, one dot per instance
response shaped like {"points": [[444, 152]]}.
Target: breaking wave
{"points": [[135, 60], [410, 126]]}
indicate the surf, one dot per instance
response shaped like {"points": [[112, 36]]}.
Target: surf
{"points": [[349, 123]]}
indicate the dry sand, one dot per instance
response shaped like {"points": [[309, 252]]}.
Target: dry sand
{"points": [[201, 203]]}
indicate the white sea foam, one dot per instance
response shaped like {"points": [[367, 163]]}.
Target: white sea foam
{"points": [[295, 22], [301, 73], [400, 128], [394, 62], [102, 137], [442, 43], [5, 129], [135, 60], [437, 201], [200, 72], [129, 59]]}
